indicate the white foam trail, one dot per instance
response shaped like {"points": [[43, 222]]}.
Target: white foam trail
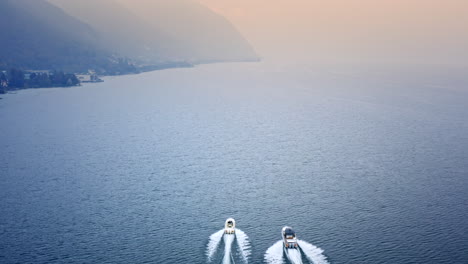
{"points": [[274, 254], [313, 253], [294, 255], [244, 244], [213, 244], [228, 239]]}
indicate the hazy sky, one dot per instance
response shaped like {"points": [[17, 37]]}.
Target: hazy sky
{"points": [[414, 31]]}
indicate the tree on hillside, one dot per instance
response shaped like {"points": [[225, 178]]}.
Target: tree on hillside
{"points": [[61, 79], [3, 83], [16, 78], [43, 80]]}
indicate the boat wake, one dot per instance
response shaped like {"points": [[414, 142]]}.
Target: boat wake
{"points": [[213, 243], [244, 244], [242, 247], [228, 239], [314, 254], [275, 254], [294, 255]]}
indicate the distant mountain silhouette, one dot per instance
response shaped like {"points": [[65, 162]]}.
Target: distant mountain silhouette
{"points": [[162, 30], [204, 36], [38, 35], [121, 30], [77, 35]]}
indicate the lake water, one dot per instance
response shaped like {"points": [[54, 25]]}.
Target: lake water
{"points": [[370, 166]]}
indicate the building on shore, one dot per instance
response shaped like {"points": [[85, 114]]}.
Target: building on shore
{"points": [[89, 78]]}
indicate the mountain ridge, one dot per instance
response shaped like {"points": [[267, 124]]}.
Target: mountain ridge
{"points": [[111, 38]]}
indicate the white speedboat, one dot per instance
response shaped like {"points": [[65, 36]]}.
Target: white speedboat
{"points": [[230, 226], [289, 237]]}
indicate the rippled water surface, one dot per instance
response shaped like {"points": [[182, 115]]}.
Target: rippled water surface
{"points": [[370, 168]]}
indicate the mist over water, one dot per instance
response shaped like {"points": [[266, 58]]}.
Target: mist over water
{"points": [[366, 164], [423, 32]]}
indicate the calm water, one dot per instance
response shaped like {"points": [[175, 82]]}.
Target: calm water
{"points": [[370, 166]]}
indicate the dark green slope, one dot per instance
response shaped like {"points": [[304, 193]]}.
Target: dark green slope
{"points": [[155, 31], [121, 30], [38, 35]]}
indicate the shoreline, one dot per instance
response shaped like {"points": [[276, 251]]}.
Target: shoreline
{"points": [[144, 69]]}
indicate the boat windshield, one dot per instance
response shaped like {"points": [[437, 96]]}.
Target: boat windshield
{"points": [[289, 233]]}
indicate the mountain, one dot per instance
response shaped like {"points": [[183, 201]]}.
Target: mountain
{"points": [[114, 36], [209, 37], [162, 30], [121, 30], [38, 35]]}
